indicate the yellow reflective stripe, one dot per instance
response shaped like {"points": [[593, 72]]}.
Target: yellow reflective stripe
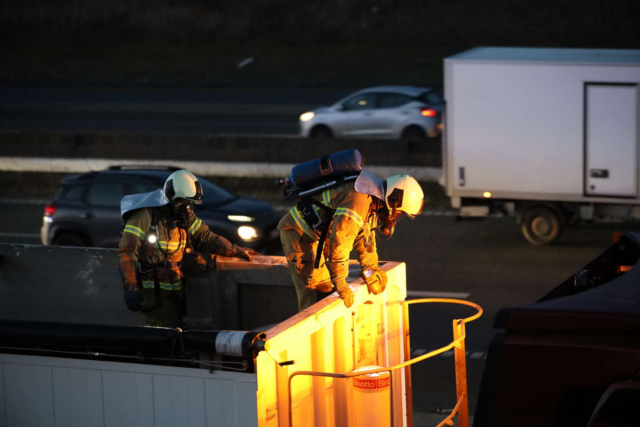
{"points": [[163, 285], [195, 226], [302, 223], [167, 245], [326, 198], [135, 231], [351, 214]]}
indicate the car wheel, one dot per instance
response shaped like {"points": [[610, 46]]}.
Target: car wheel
{"points": [[541, 225], [68, 239], [414, 133], [320, 132]]}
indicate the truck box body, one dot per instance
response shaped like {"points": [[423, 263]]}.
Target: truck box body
{"points": [[542, 124], [56, 376]]}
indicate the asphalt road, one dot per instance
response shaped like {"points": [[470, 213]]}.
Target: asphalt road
{"points": [[486, 262], [220, 111]]}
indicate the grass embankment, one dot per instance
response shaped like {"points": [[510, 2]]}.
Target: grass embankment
{"points": [[297, 44]]}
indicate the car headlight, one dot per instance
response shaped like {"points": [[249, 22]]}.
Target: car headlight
{"points": [[241, 218], [247, 233], [307, 116]]}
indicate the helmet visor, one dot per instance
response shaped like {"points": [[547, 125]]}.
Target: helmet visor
{"points": [[197, 198]]}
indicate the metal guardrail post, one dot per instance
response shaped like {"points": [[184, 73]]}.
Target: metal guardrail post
{"points": [[407, 369], [461, 373]]}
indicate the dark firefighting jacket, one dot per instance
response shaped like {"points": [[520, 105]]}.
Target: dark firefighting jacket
{"points": [[166, 254], [351, 226]]}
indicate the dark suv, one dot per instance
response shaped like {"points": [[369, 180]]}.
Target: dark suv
{"points": [[86, 210]]}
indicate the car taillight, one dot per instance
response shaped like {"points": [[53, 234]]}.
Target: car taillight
{"points": [[427, 112], [49, 210]]}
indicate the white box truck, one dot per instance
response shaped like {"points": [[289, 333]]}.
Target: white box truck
{"points": [[547, 135]]}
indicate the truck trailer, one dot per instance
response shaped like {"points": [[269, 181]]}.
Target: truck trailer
{"points": [[71, 354], [549, 136]]}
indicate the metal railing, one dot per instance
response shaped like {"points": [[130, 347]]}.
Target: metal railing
{"points": [[461, 408]]}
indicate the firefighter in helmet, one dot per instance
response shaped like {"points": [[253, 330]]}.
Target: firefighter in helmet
{"points": [[160, 227], [348, 217]]}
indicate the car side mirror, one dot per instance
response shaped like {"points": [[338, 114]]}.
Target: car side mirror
{"points": [[340, 107]]}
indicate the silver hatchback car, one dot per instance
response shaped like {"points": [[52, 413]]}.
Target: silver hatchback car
{"points": [[386, 112]]}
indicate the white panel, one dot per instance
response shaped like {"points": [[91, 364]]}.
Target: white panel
{"points": [[612, 127], [3, 413], [222, 404], [215, 407], [179, 401], [128, 399], [29, 395], [78, 397], [247, 413]]}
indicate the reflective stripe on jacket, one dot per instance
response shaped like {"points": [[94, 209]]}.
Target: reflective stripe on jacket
{"points": [[301, 223], [351, 212], [149, 283], [170, 245]]}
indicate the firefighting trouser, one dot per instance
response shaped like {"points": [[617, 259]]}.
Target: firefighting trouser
{"points": [[169, 315], [300, 251]]}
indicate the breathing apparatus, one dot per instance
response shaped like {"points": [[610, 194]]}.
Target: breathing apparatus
{"points": [[182, 210]]}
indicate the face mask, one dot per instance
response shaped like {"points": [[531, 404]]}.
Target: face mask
{"points": [[387, 224], [388, 221], [183, 212]]}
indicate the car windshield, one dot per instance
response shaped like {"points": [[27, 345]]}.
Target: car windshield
{"points": [[214, 195]]}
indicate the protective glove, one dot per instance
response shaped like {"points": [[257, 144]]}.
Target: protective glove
{"points": [[345, 292], [224, 247], [244, 253], [339, 271], [324, 287], [381, 276], [375, 278], [132, 296]]}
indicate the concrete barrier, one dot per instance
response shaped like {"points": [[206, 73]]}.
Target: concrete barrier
{"points": [[170, 147], [214, 169]]}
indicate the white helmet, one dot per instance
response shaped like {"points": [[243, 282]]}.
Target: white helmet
{"points": [[403, 194], [183, 184]]}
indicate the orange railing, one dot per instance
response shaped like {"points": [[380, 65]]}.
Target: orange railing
{"points": [[461, 408]]}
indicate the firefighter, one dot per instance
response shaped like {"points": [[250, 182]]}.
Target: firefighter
{"points": [[349, 214], [160, 227]]}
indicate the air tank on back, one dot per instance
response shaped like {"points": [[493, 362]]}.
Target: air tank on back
{"points": [[322, 173]]}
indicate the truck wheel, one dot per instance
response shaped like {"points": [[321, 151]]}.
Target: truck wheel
{"points": [[68, 239], [541, 226]]}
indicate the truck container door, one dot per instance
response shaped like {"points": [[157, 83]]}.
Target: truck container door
{"points": [[611, 139]]}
